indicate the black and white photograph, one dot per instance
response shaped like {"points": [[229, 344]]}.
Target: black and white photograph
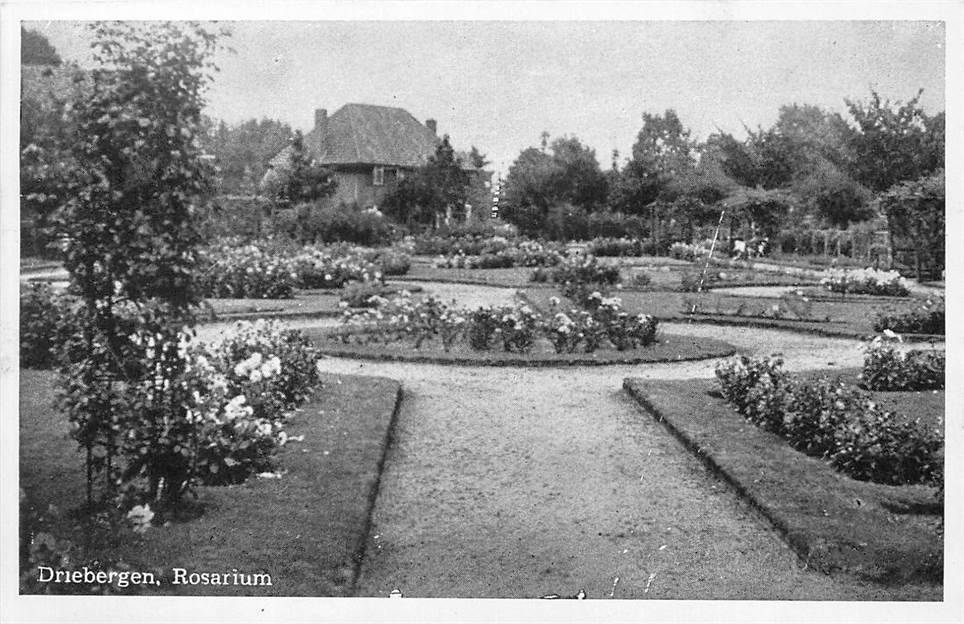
{"points": [[610, 312]]}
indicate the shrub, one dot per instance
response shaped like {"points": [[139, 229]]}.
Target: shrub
{"points": [[343, 223], [640, 279], [518, 325], [581, 275], [483, 324], [318, 267], [886, 368], [684, 251], [363, 294], [247, 271], [831, 420], [865, 282], [927, 319], [498, 253], [45, 319]]}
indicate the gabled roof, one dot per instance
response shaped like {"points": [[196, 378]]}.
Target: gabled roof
{"points": [[377, 135]]}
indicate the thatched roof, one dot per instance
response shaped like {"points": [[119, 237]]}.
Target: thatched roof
{"points": [[375, 135]]}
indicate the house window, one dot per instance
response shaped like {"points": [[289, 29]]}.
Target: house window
{"points": [[378, 176]]}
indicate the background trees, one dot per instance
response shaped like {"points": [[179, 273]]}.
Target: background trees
{"points": [[438, 189], [561, 176], [241, 153]]}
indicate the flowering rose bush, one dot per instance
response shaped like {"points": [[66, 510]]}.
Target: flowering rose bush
{"points": [[926, 319], [865, 282], [685, 251], [518, 327], [272, 269], [579, 276], [499, 253], [886, 368], [245, 272], [832, 420]]}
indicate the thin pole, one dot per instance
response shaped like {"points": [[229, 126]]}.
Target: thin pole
{"points": [[706, 265]]}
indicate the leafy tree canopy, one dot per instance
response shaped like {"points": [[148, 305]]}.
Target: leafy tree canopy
{"points": [[35, 49], [895, 142], [300, 179]]}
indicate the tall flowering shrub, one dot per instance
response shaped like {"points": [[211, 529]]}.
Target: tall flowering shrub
{"points": [[129, 238]]}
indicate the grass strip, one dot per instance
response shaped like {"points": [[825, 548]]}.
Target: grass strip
{"points": [[308, 529], [882, 533]]}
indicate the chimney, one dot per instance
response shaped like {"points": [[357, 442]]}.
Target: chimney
{"points": [[321, 118], [430, 123]]}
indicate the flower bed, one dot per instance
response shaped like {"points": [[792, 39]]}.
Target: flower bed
{"points": [[498, 253], [927, 319], [515, 328], [685, 251], [886, 368], [273, 270], [242, 388], [831, 420], [865, 282]]}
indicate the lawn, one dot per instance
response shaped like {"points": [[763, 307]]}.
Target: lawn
{"points": [[307, 529], [851, 318], [836, 524]]}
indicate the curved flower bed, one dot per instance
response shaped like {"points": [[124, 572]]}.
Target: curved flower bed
{"points": [[272, 270], [866, 282], [668, 348]]}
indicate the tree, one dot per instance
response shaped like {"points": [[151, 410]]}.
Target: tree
{"points": [[477, 158], [834, 197], [563, 172], [300, 180], [129, 231], [439, 188], [35, 49], [241, 153], [915, 216], [894, 142]]}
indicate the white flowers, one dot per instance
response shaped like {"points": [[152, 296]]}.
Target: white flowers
{"points": [[256, 368], [140, 517], [237, 408]]}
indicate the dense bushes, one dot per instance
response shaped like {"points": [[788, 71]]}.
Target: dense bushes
{"points": [[831, 420], [927, 319], [610, 247], [886, 368], [865, 282], [272, 269], [44, 325], [515, 327], [581, 275], [316, 224]]}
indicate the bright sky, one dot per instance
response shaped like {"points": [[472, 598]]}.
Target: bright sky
{"points": [[498, 85]]}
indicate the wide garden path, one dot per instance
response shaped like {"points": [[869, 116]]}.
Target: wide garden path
{"points": [[508, 482]]}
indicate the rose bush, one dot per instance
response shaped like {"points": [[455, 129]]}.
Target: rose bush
{"points": [[886, 368], [865, 282], [832, 420]]}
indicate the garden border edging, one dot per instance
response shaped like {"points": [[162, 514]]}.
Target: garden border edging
{"points": [[830, 545]]}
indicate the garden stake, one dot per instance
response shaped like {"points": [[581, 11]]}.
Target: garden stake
{"points": [[706, 265]]}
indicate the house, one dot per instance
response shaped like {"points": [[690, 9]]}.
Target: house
{"points": [[369, 149]]}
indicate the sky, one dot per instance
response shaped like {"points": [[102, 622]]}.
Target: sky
{"points": [[499, 85]]}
